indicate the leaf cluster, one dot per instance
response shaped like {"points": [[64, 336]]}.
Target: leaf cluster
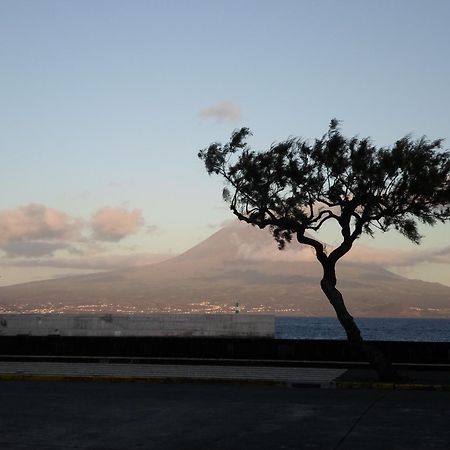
{"points": [[297, 186]]}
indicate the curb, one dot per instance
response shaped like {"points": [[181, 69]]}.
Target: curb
{"points": [[156, 380], [390, 386], [342, 385]]}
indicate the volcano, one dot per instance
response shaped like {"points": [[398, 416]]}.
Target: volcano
{"points": [[237, 264]]}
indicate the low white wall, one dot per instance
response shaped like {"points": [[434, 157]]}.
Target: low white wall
{"points": [[232, 325]]}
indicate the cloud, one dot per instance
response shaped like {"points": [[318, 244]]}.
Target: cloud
{"points": [[114, 224], [359, 255], [98, 262], [222, 112], [36, 231], [442, 256], [397, 258], [151, 229], [34, 249], [115, 184], [263, 248], [292, 253], [35, 222], [38, 236]]}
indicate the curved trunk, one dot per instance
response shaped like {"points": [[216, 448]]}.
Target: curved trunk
{"points": [[375, 357]]}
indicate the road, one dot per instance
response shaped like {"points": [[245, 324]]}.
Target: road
{"points": [[92, 415]]}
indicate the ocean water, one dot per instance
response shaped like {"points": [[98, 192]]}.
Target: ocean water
{"points": [[425, 330]]}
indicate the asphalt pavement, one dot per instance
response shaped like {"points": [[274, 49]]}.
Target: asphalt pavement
{"points": [[72, 415]]}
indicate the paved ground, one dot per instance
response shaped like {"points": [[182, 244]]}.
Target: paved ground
{"points": [[90, 415], [433, 378], [281, 375]]}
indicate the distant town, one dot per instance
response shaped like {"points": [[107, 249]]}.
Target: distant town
{"points": [[203, 307]]}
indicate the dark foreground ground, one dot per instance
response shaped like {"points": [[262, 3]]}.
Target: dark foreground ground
{"points": [[92, 415]]}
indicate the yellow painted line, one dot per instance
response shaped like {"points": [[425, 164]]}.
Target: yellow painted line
{"points": [[136, 379], [122, 379], [387, 386]]}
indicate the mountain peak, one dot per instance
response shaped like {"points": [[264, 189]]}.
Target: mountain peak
{"points": [[231, 242], [237, 263]]}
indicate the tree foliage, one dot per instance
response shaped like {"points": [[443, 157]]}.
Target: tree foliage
{"points": [[297, 186]]}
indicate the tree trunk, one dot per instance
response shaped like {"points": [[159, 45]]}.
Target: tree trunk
{"points": [[375, 357]]}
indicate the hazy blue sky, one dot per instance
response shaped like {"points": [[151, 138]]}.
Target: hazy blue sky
{"points": [[104, 105]]}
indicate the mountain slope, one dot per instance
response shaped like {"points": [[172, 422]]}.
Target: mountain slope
{"points": [[236, 264]]}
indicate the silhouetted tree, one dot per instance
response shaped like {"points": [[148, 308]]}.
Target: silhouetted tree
{"points": [[296, 186]]}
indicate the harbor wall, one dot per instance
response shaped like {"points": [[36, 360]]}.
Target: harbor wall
{"points": [[214, 349], [218, 325]]}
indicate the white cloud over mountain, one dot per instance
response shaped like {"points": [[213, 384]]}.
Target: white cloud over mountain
{"points": [[97, 262], [398, 258], [35, 249], [36, 235]]}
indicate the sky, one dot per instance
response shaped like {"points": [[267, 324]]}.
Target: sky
{"points": [[105, 104]]}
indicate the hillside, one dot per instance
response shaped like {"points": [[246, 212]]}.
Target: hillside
{"points": [[236, 264]]}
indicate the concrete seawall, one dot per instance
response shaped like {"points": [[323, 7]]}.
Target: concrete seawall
{"points": [[211, 347], [220, 325]]}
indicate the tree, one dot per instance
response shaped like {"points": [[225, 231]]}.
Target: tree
{"points": [[296, 186]]}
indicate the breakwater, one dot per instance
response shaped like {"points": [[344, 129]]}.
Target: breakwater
{"points": [[116, 325], [204, 348]]}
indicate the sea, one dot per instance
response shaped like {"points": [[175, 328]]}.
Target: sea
{"points": [[372, 329]]}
